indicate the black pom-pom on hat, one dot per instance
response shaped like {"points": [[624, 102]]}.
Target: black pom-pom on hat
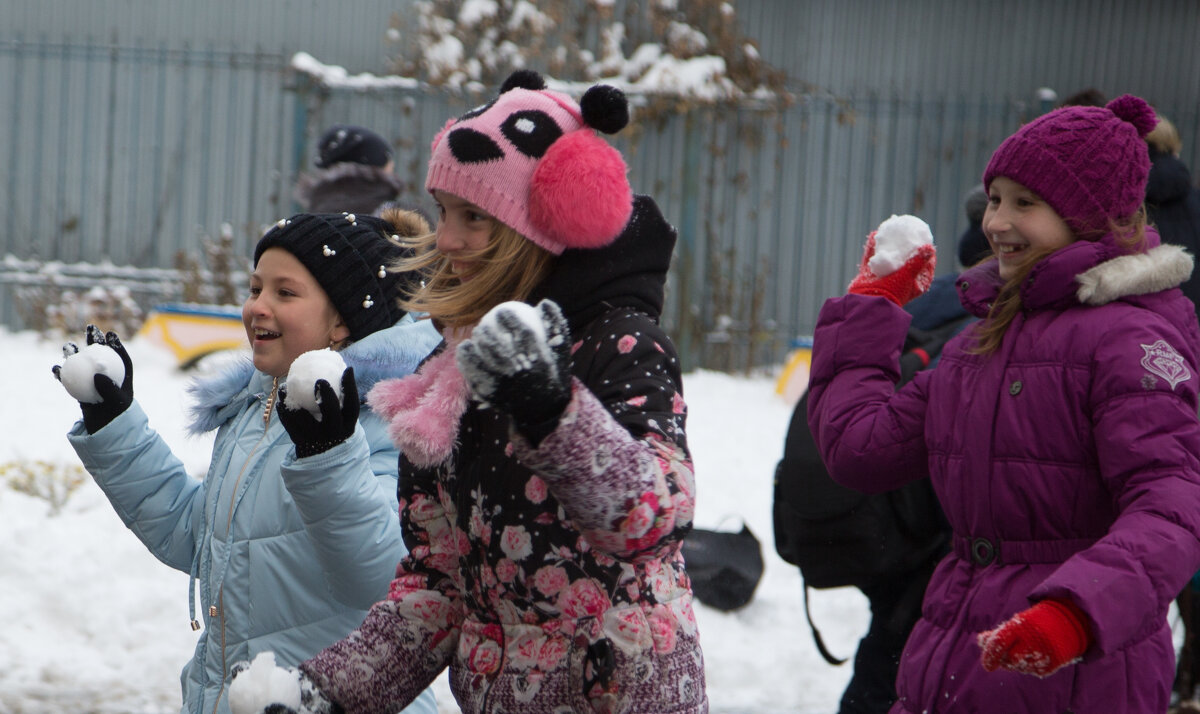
{"points": [[605, 108], [523, 79]]}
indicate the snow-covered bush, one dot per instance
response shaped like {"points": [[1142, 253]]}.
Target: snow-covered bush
{"points": [[52, 482], [223, 282], [60, 300], [665, 51], [52, 310]]}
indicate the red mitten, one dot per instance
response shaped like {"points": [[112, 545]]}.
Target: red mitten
{"points": [[905, 283], [1037, 641]]}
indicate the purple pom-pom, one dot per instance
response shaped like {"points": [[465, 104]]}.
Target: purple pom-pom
{"points": [[1136, 111]]}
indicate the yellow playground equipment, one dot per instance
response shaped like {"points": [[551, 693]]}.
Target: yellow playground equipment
{"points": [[191, 331], [793, 380]]}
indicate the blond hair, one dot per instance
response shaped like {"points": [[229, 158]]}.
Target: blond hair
{"points": [[989, 333], [508, 268], [1165, 137]]}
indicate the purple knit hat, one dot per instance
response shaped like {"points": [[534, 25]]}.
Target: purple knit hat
{"points": [[1089, 163], [531, 158]]}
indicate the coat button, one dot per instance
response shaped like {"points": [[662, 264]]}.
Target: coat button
{"points": [[1015, 388], [983, 551]]}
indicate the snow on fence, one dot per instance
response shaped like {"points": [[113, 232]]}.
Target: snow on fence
{"points": [[122, 158]]}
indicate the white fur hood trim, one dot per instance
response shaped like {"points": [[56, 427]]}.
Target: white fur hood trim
{"points": [[1160, 268]]}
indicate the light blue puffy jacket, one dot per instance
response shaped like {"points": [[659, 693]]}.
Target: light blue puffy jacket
{"points": [[289, 553]]}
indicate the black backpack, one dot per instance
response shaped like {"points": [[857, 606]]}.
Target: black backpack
{"points": [[839, 537], [725, 567]]}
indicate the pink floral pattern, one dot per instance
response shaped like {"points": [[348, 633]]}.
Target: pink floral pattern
{"points": [[527, 564]]}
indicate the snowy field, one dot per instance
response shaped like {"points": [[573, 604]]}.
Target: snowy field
{"points": [[93, 624]]}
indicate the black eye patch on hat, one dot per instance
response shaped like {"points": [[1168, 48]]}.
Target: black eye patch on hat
{"points": [[531, 131], [473, 147]]}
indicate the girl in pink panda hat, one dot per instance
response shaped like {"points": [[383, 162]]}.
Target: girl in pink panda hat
{"points": [[546, 484], [1060, 431]]}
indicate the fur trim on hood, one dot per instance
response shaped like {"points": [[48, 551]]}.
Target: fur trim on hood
{"points": [[1160, 268], [386, 354]]}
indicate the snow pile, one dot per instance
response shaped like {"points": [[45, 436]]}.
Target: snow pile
{"points": [[80, 367], [302, 379], [263, 684], [333, 76], [94, 623], [896, 240]]}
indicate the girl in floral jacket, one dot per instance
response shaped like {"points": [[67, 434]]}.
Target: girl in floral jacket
{"points": [[1060, 432], [546, 484]]}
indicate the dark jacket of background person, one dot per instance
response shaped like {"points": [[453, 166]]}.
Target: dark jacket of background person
{"points": [[347, 187], [1173, 205], [353, 173]]}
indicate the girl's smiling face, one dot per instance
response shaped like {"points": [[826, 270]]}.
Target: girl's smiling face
{"points": [[462, 228], [287, 313], [1017, 221]]}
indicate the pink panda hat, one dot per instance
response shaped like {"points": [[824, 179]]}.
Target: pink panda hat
{"points": [[531, 158]]}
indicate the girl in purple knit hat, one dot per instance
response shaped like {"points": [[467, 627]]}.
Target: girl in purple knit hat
{"points": [[546, 484], [1060, 431]]}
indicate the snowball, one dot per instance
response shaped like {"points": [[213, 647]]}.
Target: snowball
{"points": [[263, 684], [302, 379], [896, 240], [531, 318], [79, 368], [526, 313]]}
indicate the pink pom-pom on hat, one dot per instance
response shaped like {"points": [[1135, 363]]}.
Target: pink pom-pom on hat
{"points": [[531, 159], [1089, 163]]}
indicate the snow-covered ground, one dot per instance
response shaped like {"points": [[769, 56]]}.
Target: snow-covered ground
{"points": [[93, 623]]}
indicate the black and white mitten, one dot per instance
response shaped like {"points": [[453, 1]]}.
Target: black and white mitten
{"points": [[262, 687], [88, 376], [313, 434], [518, 361]]}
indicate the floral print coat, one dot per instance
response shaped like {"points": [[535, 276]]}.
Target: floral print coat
{"points": [[548, 579]]}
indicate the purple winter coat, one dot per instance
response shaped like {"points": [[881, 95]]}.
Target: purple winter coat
{"points": [[1066, 462]]}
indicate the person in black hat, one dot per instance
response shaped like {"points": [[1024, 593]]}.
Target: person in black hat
{"points": [[354, 173], [293, 533]]}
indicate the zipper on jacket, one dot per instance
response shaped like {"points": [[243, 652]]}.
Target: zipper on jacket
{"points": [[218, 610], [266, 422]]}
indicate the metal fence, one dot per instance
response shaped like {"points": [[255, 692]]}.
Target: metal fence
{"points": [[128, 156]]}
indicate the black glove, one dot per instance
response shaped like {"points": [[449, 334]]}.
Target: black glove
{"points": [[514, 369], [257, 688], [113, 399], [314, 436]]}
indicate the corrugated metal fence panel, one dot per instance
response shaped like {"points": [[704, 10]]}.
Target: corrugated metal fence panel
{"points": [[852, 47], [132, 151], [348, 32], [130, 155]]}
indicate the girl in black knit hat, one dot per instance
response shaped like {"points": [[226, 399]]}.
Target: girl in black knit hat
{"points": [[293, 533]]}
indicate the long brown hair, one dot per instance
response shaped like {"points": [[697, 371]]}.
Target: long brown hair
{"points": [[508, 268], [988, 335]]}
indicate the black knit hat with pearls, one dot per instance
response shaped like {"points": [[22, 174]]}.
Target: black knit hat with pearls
{"points": [[351, 258]]}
